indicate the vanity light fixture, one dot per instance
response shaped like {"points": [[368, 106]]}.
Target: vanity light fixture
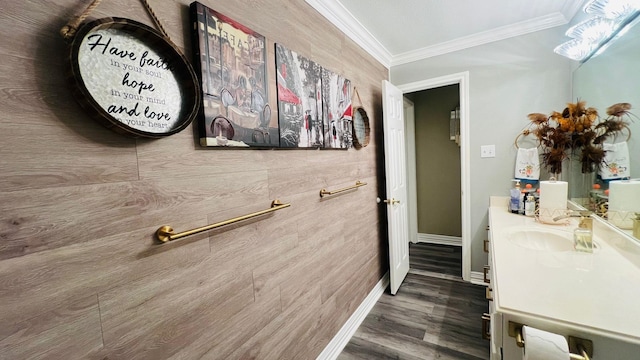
{"points": [[593, 30], [612, 9], [575, 49], [610, 17]]}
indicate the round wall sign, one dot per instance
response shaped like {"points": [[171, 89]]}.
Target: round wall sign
{"points": [[360, 128], [132, 79]]}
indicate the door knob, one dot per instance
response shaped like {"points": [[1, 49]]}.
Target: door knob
{"points": [[392, 201]]}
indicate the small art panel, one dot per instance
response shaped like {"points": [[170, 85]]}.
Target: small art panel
{"points": [[231, 62], [338, 119], [299, 100]]}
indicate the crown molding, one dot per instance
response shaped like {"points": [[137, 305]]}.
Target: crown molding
{"points": [[485, 37], [339, 16]]}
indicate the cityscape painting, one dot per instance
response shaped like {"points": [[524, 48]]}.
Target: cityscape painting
{"points": [[230, 60], [337, 110], [300, 108]]}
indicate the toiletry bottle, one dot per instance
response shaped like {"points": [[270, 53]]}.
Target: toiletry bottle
{"points": [[530, 205], [514, 203], [528, 190], [523, 197]]}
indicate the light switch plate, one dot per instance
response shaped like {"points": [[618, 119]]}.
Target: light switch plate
{"points": [[487, 151]]}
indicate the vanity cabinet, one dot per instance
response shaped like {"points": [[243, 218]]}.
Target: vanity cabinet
{"points": [[587, 296], [492, 321]]}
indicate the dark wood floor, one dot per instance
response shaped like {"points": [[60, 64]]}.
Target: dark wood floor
{"points": [[436, 260], [434, 315]]}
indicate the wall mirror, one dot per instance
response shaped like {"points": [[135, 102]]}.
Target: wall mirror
{"points": [[608, 78]]}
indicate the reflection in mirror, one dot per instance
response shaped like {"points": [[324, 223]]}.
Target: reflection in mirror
{"points": [[609, 78]]}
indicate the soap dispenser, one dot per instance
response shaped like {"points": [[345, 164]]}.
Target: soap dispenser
{"points": [[583, 234], [514, 203]]}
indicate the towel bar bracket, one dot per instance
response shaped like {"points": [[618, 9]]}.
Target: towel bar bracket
{"points": [[164, 233]]}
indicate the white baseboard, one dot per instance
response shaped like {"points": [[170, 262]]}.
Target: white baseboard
{"points": [[477, 277], [440, 239], [341, 339]]}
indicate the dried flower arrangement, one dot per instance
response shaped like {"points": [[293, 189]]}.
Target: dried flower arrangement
{"points": [[577, 131]]}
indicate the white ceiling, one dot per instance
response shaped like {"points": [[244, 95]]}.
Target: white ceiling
{"points": [[401, 31]]}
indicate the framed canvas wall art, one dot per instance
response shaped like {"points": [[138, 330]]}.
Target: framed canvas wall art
{"points": [[230, 60], [300, 108], [338, 110]]}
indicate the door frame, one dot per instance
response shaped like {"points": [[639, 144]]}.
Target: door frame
{"points": [[462, 79], [410, 146]]}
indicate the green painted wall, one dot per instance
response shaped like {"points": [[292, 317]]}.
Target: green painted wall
{"points": [[437, 162]]}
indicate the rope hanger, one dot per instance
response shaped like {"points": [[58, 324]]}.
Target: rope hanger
{"points": [[69, 30], [355, 93]]}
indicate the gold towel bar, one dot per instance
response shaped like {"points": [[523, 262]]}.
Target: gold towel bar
{"points": [[324, 192], [166, 234], [583, 346]]}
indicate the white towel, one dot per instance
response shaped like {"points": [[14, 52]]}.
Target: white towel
{"points": [[527, 164], [616, 164]]}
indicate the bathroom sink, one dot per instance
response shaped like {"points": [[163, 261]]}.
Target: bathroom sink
{"points": [[551, 240]]}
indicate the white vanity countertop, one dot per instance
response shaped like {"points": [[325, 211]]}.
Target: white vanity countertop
{"points": [[598, 293]]}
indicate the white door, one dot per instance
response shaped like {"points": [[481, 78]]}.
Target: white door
{"points": [[396, 175]]}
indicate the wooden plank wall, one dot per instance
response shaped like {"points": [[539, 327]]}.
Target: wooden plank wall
{"points": [[80, 275]]}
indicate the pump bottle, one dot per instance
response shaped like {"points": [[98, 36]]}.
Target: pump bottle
{"points": [[514, 203]]}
